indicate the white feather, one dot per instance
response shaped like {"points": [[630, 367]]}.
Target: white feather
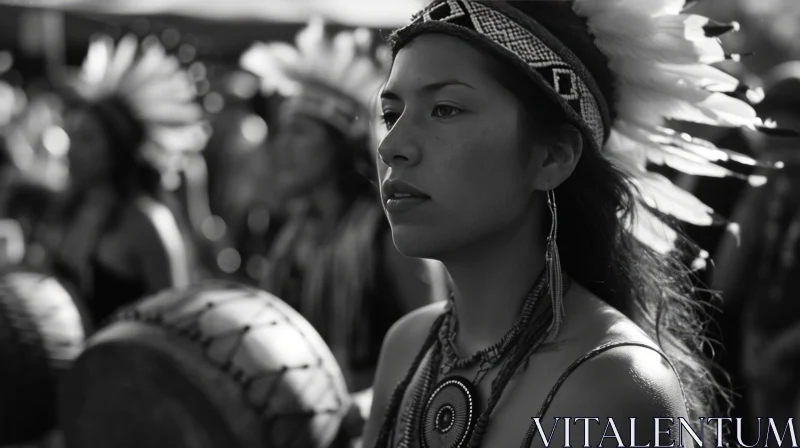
{"points": [[624, 34], [690, 26], [152, 56], [95, 67], [344, 45], [659, 193], [270, 62], [692, 167], [702, 148], [163, 68], [652, 232], [626, 150], [631, 146], [656, 76], [704, 76], [123, 58], [731, 111]]}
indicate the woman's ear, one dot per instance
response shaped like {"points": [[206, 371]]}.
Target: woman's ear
{"points": [[563, 151]]}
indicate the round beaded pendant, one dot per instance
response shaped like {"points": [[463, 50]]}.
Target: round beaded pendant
{"points": [[450, 414]]}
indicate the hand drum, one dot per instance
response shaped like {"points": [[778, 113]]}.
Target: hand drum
{"points": [[42, 331], [218, 365]]}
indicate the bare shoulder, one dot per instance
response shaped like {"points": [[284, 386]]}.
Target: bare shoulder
{"points": [[627, 396], [628, 379], [634, 372], [418, 319], [611, 386], [400, 346]]}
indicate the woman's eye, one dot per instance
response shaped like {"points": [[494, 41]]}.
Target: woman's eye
{"points": [[389, 119], [445, 111]]}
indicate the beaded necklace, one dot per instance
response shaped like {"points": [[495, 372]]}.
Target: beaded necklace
{"points": [[446, 414], [487, 358]]}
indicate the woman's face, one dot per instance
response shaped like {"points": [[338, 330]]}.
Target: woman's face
{"points": [[461, 140], [302, 156], [88, 155]]}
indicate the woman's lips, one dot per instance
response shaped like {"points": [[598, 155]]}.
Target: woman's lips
{"points": [[404, 203], [400, 196]]}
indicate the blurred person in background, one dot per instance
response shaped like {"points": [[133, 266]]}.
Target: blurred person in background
{"points": [[131, 116], [334, 259], [759, 273], [33, 148], [41, 328], [240, 195]]}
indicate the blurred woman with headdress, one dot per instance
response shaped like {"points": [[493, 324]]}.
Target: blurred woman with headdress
{"points": [[42, 328], [131, 116], [334, 259]]}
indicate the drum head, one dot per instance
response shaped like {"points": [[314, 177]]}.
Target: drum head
{"points": [[41, 334], [219, 365]]}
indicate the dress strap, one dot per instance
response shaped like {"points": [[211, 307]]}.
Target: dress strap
{"points": [[529, 436]]}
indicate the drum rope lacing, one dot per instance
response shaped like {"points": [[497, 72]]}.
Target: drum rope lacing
{"points": [[188, 326]]}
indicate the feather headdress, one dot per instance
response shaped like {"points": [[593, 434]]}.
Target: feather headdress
{"points": [[659, 57], [145, 88], [333, 78]]}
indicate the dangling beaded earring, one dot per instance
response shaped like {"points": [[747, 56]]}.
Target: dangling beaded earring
{"points": [[555, 278]]}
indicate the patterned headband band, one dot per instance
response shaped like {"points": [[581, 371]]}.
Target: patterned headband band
{"points": [[528, 45]]}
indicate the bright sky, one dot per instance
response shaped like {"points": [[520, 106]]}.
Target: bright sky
{"points": [[375, 13]]}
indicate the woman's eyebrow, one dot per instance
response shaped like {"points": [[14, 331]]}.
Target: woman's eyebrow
{"points": [[428, 88]]}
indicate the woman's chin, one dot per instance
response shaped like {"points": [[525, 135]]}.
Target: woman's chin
{"points": [[415, 244]]}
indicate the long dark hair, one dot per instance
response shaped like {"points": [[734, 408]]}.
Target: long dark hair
{"points": [[355, 168], [596, 248]]}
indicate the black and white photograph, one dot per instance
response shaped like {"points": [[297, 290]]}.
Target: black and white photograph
{"points": [[399, 223]]}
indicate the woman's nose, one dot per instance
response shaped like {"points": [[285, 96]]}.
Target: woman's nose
{"points": [[399, 148]]}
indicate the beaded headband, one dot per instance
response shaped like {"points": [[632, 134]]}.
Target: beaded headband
{"points": [[553, 67]]}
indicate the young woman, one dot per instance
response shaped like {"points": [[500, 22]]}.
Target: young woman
{"points": [[333, 259], [518, 138], [132, 114]]}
